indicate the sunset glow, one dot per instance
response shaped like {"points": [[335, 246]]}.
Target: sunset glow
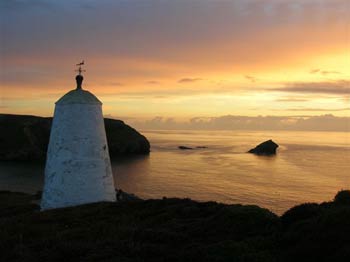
{"points": [[179, 59]]}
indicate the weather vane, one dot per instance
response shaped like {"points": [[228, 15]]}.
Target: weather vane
{"points": [[79, 69]]}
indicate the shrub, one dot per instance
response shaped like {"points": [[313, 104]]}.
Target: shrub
{"points": [[300, 212], [342, 197]]}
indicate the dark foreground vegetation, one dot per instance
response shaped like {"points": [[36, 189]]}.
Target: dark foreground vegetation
{"points": [[173, 230]]}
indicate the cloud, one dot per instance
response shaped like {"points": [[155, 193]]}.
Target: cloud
{"points": [[314, 71], [242, 31], [340, 87], [329, 72], [153, 82], [166, 40], [189, 80], [319, 109], [19, 4], [292, 99], [116, 84], [323, 72], [326, 122], [193, 36], [251, 78], [102, 83]]}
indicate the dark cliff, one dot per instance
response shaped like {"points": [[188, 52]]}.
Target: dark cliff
{"points": [[25, 137]]}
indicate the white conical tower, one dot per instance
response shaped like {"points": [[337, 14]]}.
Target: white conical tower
{"points": [[78, 168]]}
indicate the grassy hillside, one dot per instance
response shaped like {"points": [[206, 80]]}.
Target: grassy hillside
{"points": [[172, 230]]}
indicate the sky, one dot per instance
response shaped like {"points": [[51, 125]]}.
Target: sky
{"points": [[182, 63]]}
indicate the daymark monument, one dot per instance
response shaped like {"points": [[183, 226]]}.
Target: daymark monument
{"points": [[78, 168]]}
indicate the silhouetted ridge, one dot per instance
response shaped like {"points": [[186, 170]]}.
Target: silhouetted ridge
{"points": [[172, 229], [25, 137]]}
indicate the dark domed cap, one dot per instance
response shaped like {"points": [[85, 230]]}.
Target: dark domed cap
{"points": [[78, 96]]}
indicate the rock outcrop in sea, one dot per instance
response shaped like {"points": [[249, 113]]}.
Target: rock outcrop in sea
{"points": [[24, 137], [191, 148], [266, 148], [185, 148], [123, 196]]}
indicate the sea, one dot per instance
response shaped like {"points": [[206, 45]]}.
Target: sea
{"points": [[308, 167]]}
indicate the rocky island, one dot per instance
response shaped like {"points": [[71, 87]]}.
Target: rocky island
{"points": [[266, 148], [24, 137]]}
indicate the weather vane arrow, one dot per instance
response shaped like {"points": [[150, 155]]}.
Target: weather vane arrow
{"points": [[79, 69]]}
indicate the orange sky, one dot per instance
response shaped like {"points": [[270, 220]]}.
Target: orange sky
{"points": [[179, 59]]}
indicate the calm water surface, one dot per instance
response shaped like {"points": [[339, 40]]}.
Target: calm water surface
{"points": [[309, 167]]}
